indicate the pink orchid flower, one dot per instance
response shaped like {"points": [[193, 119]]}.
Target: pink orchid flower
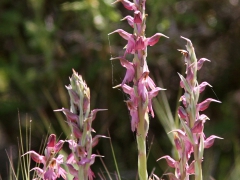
{"points": [[204, 105], [129, 20], [130, 69], [51, 166], [170, 161], [130, 49], [200, 63], [127, 4], [210, 140], [151, 94], [202, 86], [70, 116], [137, 17]]}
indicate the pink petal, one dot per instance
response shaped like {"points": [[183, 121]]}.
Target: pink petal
{"points": [[183, 99], [76, 131], [200, 63], [202, 86], [51, 140], [153, 93], [154, 39], [130, 46], [95, 139], [135, 119], [142, 90], [130, 70], [198, 127], [38, 170], [140, 43], [50, 175], [127, 4], [203, 117], [129, 20], [90, 174], [58, 146], [150, 83], [70, 116], [74, 96], [59, 159], [130, 91], [122, 33], [182, 112], [181, 84], [127, 89], [188, 148], [204, 105], [93, 156], [170, 161], [134, 114], [137, 17], [191, 169], [86, 103], [71, 159], [177, 142], [150, 109], [180, 132], [62, 173], [210, 140], [189, 77], [84, 161], [94, 112], [36, 157], [72, 144]]}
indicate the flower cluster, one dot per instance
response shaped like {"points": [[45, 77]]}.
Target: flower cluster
{"points": [[137, 73], [51, 165], [80, 119], [190, 139], [144, 89]]}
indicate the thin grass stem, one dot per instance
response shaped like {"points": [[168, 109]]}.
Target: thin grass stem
{"points": [[11, 169], [114, 157], [105, 167]]}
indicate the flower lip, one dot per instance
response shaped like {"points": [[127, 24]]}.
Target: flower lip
{"points": [[170, 161], [204, 105], [127, 4]]}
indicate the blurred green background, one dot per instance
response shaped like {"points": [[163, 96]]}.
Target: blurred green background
{"points": [[41, 41]]}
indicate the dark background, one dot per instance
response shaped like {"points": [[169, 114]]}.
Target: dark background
{"points": [[41, 41]]}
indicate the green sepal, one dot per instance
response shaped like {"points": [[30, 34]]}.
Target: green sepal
{"points": [[188, 131], [186, 86], [190, 50], [201, 147]]}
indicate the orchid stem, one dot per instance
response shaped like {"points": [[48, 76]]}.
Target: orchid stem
{"points": [[198, 164], [141, 141]]}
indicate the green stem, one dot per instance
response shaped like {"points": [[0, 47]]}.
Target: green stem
{"points": [[141, 142], [81, 174], [197, 164], [142, 128]]}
